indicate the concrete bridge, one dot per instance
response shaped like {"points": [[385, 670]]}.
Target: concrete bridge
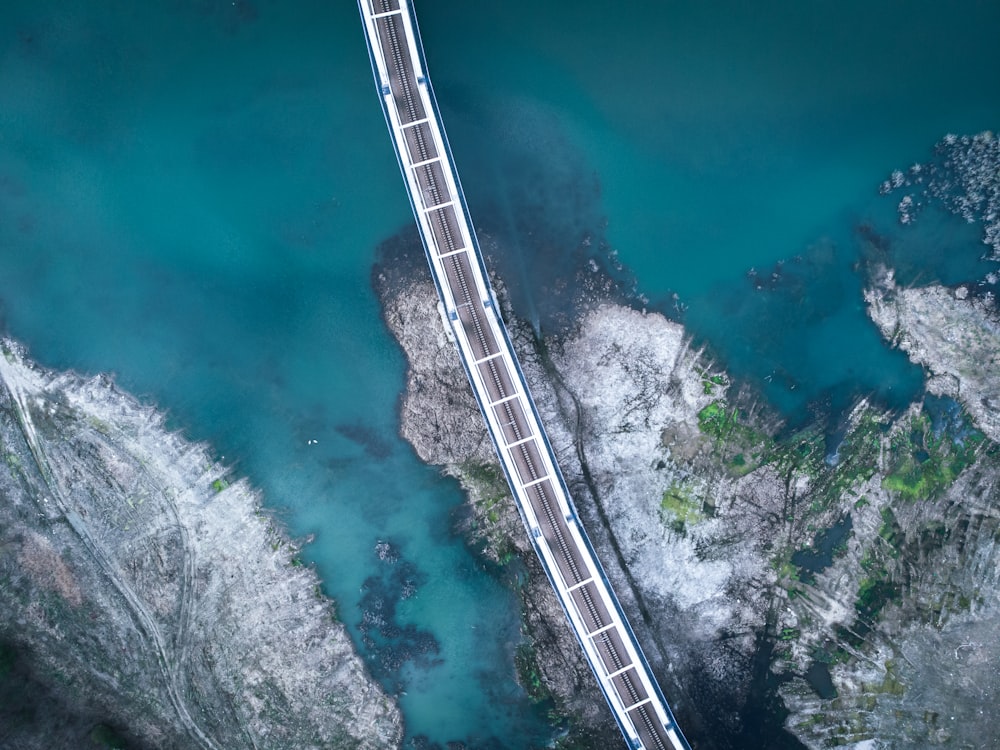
{"points": [[527, 458]]}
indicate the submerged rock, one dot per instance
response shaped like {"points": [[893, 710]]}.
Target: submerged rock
{"points": [[151, 600], [963, 177]]}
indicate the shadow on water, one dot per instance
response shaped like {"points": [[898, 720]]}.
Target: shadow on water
{"points": [[539, 216]]}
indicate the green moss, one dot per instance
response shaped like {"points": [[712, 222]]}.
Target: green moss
{"points": [[874, 593], [709, 382], [220, 484], [856, 462], [737, 443], [789, 634], [99, 424], [506, 551], [681, 507], [891, 684], [526, 663], [716, 421], [891, 532], [923, 464], [786, 570], [482, 473]]}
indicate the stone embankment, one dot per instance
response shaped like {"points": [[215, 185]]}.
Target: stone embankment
{"points": [[151, 601]]}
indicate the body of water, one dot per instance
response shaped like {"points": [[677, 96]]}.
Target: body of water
{"points": [[191, 194]]}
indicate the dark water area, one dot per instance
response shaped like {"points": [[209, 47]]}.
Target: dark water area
{"points": [[819, 679], [388, 643], [192, 194], [819, 556]]}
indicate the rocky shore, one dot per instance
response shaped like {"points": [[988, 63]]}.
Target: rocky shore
{"points": [[147, 597], [954, 333], [842, 588]]}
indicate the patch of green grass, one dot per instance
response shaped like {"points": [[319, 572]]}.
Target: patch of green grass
{"points": [[681, 507], [924, 464], [739, 445]]}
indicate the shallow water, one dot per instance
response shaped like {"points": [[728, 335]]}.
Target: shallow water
{"points": [[191, 194]]}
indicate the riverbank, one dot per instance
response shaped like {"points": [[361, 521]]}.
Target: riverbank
{"points": [[149, 597]]}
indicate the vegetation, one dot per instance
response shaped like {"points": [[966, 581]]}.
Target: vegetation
{"points": [[925, 461], [742, 447], [7, 658], [491, 486], [528, 674], [709, 383], [682, 506]]}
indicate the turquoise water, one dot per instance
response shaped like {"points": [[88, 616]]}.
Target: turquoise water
{"points": [[724, 137], [191, 194], [191, 198]]}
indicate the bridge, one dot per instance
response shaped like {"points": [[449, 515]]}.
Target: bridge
{"points": [[528, 460]]}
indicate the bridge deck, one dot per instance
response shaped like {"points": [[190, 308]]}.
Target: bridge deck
{"points": [[543, 500]]}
